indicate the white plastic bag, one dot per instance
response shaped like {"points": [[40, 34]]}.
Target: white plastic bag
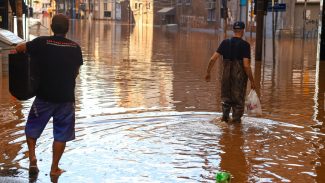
{"points": [[253, 104]]}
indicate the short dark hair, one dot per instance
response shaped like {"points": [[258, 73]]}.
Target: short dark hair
{"points": [[60, 24]]}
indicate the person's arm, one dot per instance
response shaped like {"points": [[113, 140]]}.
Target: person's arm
{"points": [[213, 60], [21, 48], [80, 60], [33, 47], [248, 70]]}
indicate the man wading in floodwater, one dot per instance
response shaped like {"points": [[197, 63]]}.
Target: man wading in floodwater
{"points": [[58, 60], [236, 68]]}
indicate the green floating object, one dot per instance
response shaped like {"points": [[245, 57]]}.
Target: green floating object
{"points": [[223, 177]]}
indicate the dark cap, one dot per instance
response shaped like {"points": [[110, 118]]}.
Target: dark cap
{"points": [[238, 25]]}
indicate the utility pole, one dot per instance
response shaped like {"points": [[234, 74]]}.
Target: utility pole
{"points": [[217, 14], [304, 20], [273, 32], [129, 12], [259, 29], [57, 6], [225, 15], [239, 5], [251, 18], [89, 10]]}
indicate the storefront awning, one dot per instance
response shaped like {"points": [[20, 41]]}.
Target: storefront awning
{"points": [[167, 11]]}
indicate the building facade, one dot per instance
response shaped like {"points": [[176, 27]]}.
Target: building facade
{"points": [[107, 10], [300, 18], [98, 9], [198, 14], [185, 13], [141, 12]]}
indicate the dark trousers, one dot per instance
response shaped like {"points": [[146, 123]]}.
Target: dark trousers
{"points": [[233, 89]]}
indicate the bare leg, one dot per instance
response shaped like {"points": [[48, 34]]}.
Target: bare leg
{"points": [[58, 149], [31, 143]]}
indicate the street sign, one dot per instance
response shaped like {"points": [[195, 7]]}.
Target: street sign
{"points": [[278, 7], [243, 2]]}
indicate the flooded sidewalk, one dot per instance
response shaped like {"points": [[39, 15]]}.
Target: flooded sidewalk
{"points": [[145, 113]]}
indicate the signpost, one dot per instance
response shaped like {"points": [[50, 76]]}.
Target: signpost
{"points": [[278, 7], [259, 28]]}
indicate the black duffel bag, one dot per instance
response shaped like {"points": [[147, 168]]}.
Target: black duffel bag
{"points": [[23, 76]]}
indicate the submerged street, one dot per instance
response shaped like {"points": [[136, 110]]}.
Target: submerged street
{"points": [[145, 113]]}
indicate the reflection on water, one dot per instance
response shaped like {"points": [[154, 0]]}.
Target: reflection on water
{"points": [[145, 114], [320, 117], [233, 157]]}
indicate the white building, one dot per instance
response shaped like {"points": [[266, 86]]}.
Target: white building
{"points": [[107, 9]]}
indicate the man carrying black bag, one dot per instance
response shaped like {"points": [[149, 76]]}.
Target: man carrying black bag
{"points": [[23, 76], [58, 61]]}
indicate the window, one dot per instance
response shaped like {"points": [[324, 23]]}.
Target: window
{"points": [[179, 2], [148, 5], [211, 15], [105, 6], [107, 14], [187, 2], [136, 6], [211, 5]]}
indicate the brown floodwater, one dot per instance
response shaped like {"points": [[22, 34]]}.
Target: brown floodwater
{"points": [[145, 114]]}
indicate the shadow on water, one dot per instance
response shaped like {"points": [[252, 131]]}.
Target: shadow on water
{"points": [[144, 113]]}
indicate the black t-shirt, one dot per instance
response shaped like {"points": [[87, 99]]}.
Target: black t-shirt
{"points": [[58, 60], [234, 49]]}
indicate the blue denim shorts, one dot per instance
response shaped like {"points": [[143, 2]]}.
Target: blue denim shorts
{"points": [[63, 120]]}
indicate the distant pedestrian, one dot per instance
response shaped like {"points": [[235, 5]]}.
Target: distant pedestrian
{"points": [[58, 60], [90, 16], [236, 69]]}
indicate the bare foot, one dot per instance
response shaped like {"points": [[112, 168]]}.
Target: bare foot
{"points": [[56, 172], [33, 169]]}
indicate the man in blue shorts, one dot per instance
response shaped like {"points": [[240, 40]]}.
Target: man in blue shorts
{"points": [[58, 61]]}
